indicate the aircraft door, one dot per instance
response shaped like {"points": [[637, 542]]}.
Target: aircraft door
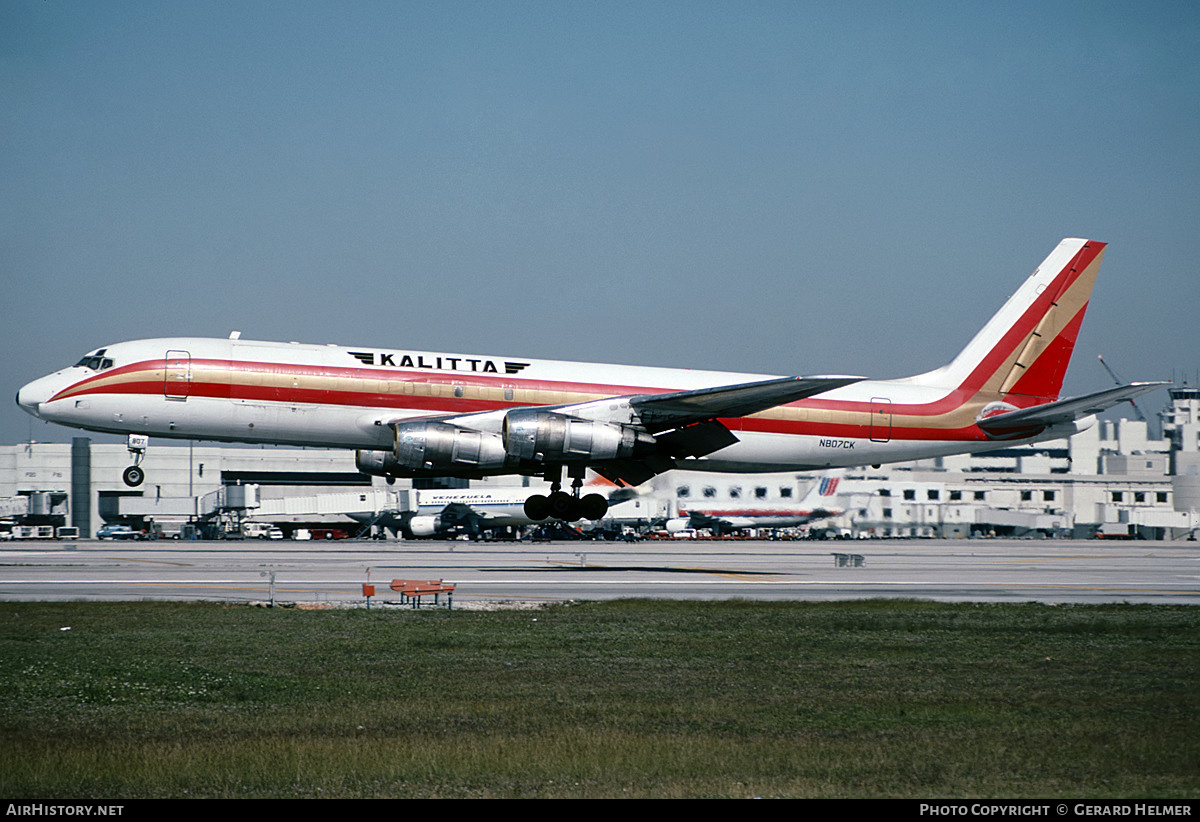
{"points": [[881, 419], [177, 375]]}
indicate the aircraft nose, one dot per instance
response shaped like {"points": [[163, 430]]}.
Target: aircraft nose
{"points": [[31, 396]]}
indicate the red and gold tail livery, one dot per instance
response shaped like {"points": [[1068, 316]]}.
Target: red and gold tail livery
{"points": [[415, 413]]}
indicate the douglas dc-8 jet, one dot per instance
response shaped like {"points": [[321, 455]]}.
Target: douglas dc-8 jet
{"points": [[422, 413]]}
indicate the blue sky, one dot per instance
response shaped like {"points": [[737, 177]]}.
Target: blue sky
{"points": [[788, 188]]}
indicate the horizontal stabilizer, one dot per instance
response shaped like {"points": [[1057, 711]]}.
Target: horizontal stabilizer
{"points": [[1067, 410], [661, 411]]}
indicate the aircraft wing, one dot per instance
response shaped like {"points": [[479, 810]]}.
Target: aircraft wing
{"points": [[660, 412], [626, 439], [1062, 411], [686, 424], [697, 520]]}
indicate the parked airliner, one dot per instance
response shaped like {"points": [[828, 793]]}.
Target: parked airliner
{"points": [[446, 513], [739, 513], [421, 413]]}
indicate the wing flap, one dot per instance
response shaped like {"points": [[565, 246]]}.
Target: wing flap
{"points": [[695, 439]]}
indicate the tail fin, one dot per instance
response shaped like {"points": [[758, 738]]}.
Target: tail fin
{"points": [[1021, 355], [823, 495]]}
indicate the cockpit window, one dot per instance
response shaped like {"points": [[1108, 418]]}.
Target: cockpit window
{"points": [[96, 362]]}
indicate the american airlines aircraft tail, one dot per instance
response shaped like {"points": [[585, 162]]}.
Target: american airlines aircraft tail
{"points": [[421, 413]]}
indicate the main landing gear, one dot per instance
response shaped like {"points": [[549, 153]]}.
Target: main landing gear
{"points": [[564, 506], [134, 474]]}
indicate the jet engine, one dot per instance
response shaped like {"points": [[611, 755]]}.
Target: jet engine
{"points": [[430, 446], [547, 437], [425, 526], [434, 446], [379, 464]]}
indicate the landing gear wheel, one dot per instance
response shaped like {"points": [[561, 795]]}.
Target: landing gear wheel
{"points": [[564, 506], [537, 507], [133, 476], [593, 507]]}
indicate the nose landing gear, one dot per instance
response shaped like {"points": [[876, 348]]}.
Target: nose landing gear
{"points": [[134, 474]]}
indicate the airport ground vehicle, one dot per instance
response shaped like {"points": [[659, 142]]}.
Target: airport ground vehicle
{"points": [[261, 530], [118, 532]]}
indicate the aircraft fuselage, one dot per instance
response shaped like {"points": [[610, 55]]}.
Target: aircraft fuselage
{"points": [[339, 397]]}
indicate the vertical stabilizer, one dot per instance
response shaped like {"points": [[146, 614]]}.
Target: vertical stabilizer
{"points": [[1021, 355], [823, 495]]}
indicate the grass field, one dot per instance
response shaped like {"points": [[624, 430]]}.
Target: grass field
{"points": [[617, 699]]}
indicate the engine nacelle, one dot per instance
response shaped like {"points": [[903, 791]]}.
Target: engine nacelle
{"points": [[434, 446], [677, 524], [547, 437], [439, 446], [425, 526], [379, 464]]}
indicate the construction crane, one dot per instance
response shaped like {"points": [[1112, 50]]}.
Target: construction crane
{"points": [[1137, 411]]}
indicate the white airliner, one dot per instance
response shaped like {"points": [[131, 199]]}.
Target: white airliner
{"points": [[421, 413], [443, 513], [821, 502]]}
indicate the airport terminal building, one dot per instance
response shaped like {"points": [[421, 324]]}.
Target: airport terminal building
{"points": [[1115, 479]]}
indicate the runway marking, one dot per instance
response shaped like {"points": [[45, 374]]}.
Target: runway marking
{"points": [[153, 561], [248, 588], [749, 576], [1060, 559]]}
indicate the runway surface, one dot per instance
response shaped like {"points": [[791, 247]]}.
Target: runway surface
{"points": [[334, 572]]}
